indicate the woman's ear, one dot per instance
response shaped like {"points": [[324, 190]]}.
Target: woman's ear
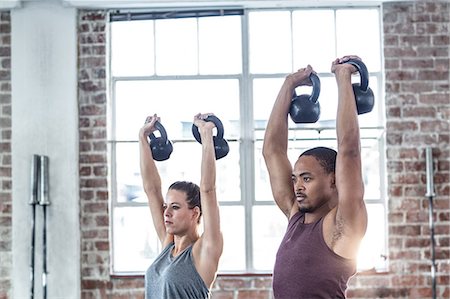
{"points": [[197, 213]]}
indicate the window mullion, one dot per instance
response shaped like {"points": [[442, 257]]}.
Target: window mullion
{"points": [[247, 145]]}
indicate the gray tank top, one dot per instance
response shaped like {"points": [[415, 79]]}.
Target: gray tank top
{"points": [[305, 267], [174, 277]]}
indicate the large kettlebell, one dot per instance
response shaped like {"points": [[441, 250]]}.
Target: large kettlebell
{"points": [[161, 147], [221, 147], [363, 93], [305, 108]]}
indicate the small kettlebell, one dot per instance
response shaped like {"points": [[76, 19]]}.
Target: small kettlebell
{"points": [[305, 108], [161, 147], [221, 147], [364, 96]]}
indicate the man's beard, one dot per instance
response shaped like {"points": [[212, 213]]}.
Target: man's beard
{"points": [[304, 209]]}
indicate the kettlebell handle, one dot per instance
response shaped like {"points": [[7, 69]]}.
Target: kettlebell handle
{"points": [[216, 121], [363, 73], [364, 96], [316, 88], [159, 127], [221, 147], [161, 147]]}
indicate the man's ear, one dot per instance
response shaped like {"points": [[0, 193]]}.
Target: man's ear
{"points": [[333, 180]]}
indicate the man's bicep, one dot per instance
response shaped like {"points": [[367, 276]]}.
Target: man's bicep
{"points": [[350, 187], [280, 174], [349, 180]]}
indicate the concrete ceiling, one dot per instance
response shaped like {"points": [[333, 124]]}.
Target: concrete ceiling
{"points": [[11, 4]]}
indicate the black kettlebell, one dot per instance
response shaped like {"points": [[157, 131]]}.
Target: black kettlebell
{"points": [[161, 147], [221, 147], [305, 108], [363, 93]]}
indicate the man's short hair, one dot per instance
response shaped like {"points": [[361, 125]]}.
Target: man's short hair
{"points": [[326, 157]]}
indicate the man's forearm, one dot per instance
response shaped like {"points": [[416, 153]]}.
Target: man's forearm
{"points": [[347, 127]]}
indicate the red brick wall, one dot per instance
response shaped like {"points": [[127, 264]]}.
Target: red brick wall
{"points": [[416, 53], [416, 40], [416, 50], [417, 60], [94, 220], [5, 157]]}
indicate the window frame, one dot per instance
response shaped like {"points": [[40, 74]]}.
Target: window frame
{"points": [[246, 141]]}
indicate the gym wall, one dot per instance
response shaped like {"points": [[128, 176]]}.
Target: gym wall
{"points": [[5, 157], [416, 37], [417, 100]]}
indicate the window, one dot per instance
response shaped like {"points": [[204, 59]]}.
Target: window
{"points": [[233, 65]]}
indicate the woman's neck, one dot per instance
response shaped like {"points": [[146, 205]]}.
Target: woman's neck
{"points": [[183, 242]]}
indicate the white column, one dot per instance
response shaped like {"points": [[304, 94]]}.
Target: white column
{"points": [[45, 122]]}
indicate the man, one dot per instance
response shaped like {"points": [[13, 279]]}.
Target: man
{"points": [[322, 196]]}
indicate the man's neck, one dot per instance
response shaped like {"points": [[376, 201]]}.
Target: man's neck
{"points": [[311, 217]]}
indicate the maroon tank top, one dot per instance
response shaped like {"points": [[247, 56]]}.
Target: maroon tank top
{"points": [[305, 267]]}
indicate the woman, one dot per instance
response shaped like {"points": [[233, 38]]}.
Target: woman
{"points": [[187, 265]]}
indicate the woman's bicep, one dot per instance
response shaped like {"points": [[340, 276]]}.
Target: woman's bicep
{"points": [[211, 216]]}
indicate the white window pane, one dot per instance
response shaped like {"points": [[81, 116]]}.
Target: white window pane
{"points": [[220, 45], [176, 46], [372, 251], [269, 226], [133, 103], [270, 42], [228, 182], [128, 177], [265, 92], [358, 32], [371, 172], [176, 102], [232, 225], [298, 146], [183, 164], [263, 191], [314, 44], [135, 241], [132, 47], [328, 101]]}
